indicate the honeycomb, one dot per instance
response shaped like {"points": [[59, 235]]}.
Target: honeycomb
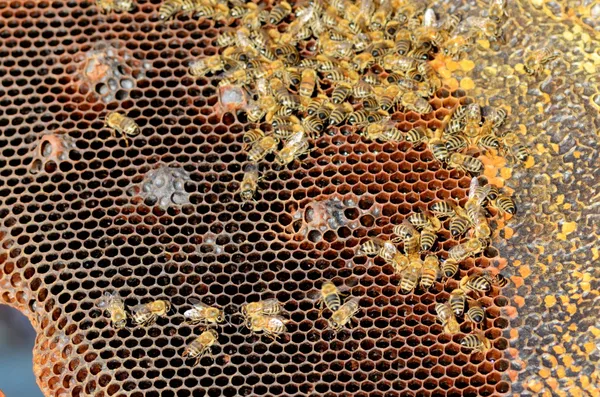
{"points": [[72, 229]]}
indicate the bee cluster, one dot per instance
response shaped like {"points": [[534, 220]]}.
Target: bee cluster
{"points": [[466, 131], [336, 62], [418, 267]]}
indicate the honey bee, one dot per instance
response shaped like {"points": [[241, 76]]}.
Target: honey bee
{"points": [[340, 93], [479, 27], [252, 136], [227, 39], [280, 121], [254, 112], [359, 117], [269, 307], [115, 5], [410, 275], [236, 77], [263, 43], [430, 272], [145, 314], [499, 280], [371, 247], [362, 61], [122, 124], [478, 219], [409, 236], [497, 10], [388, 132], [389, 97], [283, 96], [447, 318], [380, 16], [362, 90], [449, 268], [402, 47], [397, 63], [388, 251], [496, 116], [488, 141], [261, 148], [249, 183], [203, 314], [439, 150], [475, 313], [114, 305], [416, 135], [411, 101], [443, 209], [219, 11], [520, 152], [477, 342], [429, 226], [457, 301], [313, 125], [294, 148], [457, 45], [288, 53], [465, 163], [308, 83], [241, 10], [344, 314], [210, 64], [168, 9], [467, 249], [480, 283], [400, 262], [331, 297], [202, 345], [535, 60], [252, 20], [315, 104], [370, 103], [339, 113], [454, 127], [272, 326], [459, 221]]}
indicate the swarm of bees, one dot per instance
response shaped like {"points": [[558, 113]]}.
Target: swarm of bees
{"points": [[418, 267], [366, 60]]}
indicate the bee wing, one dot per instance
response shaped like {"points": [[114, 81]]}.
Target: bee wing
{"points": [[142, 308], [296, 138], [410, 226], [379, 243], [196, 303], [314, 294], [272, 301]]}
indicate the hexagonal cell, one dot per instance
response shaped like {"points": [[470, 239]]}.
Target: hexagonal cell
{"points": [[111, 72], [164, 186], [51, 150]]}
